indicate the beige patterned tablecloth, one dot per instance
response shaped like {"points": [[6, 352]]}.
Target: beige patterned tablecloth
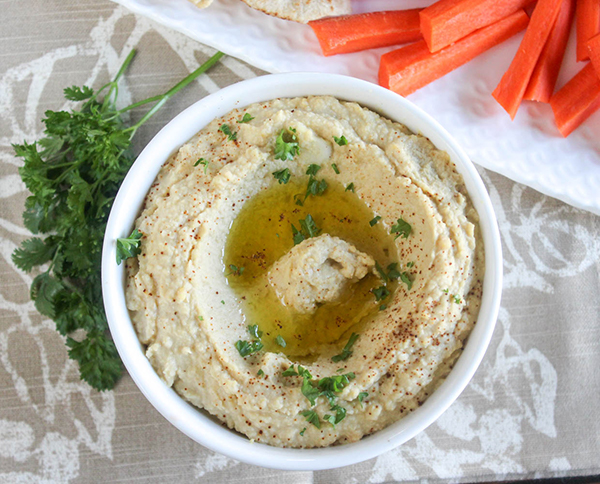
{"points": [[532, 410]]}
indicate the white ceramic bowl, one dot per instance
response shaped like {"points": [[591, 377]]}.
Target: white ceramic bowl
{"points": [[199, 425]]}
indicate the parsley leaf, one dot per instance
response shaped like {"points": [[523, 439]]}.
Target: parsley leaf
{"points": [[235, 270], [73, 174], [283, 176], [260, 372], [286, 144], [246, 118], [362, 396], [406, 279], [246, 348], [350, 187], [342, 141], [280, 341], [374, 221], [312, 418], [347, 351], [231, 136], [308, 229], [380, 293], [457, 298], [129, 246], [309, 391], [302, 432], [75, 93], [254, 331], [340, 414], [335, 168], [402, 228], [202, 161], [313, 169]]}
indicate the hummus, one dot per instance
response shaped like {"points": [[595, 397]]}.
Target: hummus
{"points": [[306, 294]]}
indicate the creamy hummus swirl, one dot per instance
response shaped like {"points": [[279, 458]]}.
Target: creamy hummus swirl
{"points": [[189, 317]]}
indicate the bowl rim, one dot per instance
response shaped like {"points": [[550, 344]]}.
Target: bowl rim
{"points": [[198, 424]]}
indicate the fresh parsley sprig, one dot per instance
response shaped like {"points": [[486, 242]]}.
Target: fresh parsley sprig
{"points": [[73, 174], [129, 246], [286, 144]]}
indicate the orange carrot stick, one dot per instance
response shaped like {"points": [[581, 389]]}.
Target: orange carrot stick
{"points": [[543, 79], [447, 21], [588, 25], [509, 93], [576, 101], [411, 67], [594, 50], [352, 33]]}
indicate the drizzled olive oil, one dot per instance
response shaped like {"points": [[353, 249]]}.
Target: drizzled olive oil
{"points": [[262, 233]]}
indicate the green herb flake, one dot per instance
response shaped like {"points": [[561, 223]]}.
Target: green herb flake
{"points": [[260, 372], [347, 351], [311, 417], [129, 246], [374, 221], [235, 270], [362, 396], [457, 299], [282, 176], [286, 145], [350, 187], [310, 391], [313, 169], [445, 291], [402, 228], [231, 136], [335, 168], [342, 141], [222, 302], [202, 161], [380, 293], [254, 331], [410, 264], [246, 119], [302, 432], [246, 348], [280, 341], [308, 229], [383, 307], [406, 279]]}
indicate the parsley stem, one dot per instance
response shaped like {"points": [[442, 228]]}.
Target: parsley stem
{"points": [[177, 87]]}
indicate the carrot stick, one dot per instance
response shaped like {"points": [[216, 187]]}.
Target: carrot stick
{"points": [[411, 67], [352, 33], [577, 100], [588, 25], [447, 21], [509, 93], [594, 50], [543, 79]]}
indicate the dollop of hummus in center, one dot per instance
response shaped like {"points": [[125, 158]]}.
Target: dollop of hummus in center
{"points": [[317, 271]]}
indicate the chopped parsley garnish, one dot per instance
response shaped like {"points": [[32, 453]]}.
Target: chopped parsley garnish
{"points": [[362, 396], [383, 307], [303, 372], [341, 140], [457, 299], [254, 331], [202, 161], [308, 229], [126, 247], [325, 387], [335, 168], [339, 370], [312, 418], [283, 176], [402, 228], [313, 169], [246, 348], [380, 293], [247, 118], [310, 391], [350, 187], [302, 432], [374, 221], [286, 145], [406, 279], [335, 383], [235, 270], [260, 372], [222, 302], [391, 274], [347, 351], [231, 136], [340, 414], [280, 341], [445, 291], [410, 264]]}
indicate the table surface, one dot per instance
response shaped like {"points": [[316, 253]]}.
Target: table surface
{"points": [[532, 409]]}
